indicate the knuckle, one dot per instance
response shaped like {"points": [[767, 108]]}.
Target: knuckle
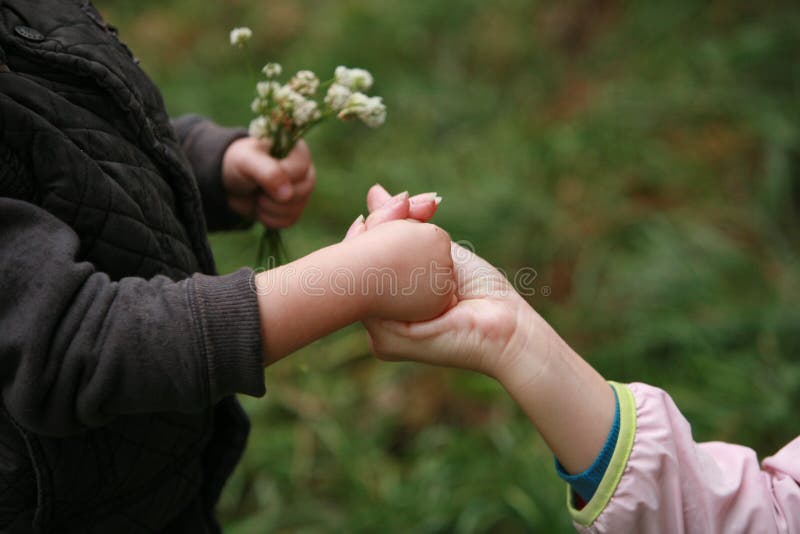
{"points": [[435, 235], [442, 236], [267, 179]]}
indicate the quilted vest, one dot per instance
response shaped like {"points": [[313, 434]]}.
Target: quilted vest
{"points": [[89, 132]]}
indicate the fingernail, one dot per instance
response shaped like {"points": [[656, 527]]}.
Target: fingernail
{"points": [[360, 219], [284, 192], [437, 199], [423, 197], [399, 198]]}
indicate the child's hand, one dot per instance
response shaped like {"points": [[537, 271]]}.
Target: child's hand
{"points": [[485, 331], [274, 192], [480, 332], [418, 254], [400, 270], [407, 270]]}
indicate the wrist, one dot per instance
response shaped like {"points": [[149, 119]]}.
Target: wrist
{"points": [[526, 356], [569, 402], [309, 298]]}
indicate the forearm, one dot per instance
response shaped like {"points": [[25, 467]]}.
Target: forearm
{"points": [[569, 402], [398, 271], [298, 305]]}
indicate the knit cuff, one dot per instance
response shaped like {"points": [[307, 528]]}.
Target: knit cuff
{"points": [[204, 144], [226, 308], [584, 514], [585, 484]]}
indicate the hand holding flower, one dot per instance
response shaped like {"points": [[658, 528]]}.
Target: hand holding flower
{"points": [[284, 114], [273, 191]]}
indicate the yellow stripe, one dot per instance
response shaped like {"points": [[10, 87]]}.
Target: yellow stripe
{"points": [[616, 467]]}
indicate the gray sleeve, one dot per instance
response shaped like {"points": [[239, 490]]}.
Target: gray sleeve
{"points": [[77, 349], [204, 144]]}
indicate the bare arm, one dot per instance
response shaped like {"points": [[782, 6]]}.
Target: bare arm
{"points": [[494, 331], [294, 291], [333, 287], [569, 402]]}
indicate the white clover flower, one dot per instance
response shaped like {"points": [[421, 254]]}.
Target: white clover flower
{"points": [[306, 112], [272, 70], [353, 79], [265, 89], [305, 82], [257, 105], [240, 36], [282, 93], [286, 97], [371, 110], [374, 113], [354, 104], [259, 128], [337, 96]]}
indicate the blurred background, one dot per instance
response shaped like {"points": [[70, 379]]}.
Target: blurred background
{"points": [[643, 157]]}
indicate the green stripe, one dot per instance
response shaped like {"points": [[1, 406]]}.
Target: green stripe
{"points": [[616, 467]]}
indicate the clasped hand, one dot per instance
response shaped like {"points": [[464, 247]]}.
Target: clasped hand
{"points": [[486, 327]]}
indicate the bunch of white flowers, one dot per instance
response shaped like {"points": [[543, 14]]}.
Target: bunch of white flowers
{"points": [[286, 112]]}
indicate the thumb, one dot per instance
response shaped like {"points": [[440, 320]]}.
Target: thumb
{"points": [[412, 332], [399, 340], [386, 344]]}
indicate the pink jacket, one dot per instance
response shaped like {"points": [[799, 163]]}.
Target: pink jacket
{"points": [[661, 481]]}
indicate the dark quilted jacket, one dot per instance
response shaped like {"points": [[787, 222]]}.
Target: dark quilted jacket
{"points": [[119, 348]]}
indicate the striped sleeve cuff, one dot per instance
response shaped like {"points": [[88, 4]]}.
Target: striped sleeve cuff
{"points": [[585, 484], [587, 514]]}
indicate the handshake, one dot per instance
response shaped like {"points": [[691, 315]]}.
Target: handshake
{"points": [[420, 296], [423, 298]]}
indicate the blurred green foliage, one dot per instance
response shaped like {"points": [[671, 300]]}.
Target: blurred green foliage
{"points": [[643, 157]]}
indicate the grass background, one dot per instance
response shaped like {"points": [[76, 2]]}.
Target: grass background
{"points": [[643, 157]]}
